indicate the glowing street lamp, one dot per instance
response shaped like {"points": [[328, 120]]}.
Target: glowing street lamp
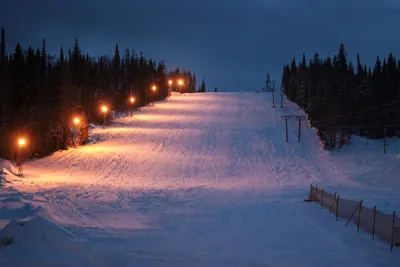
{"points": [[169, 87], [76, 121], [153, 95], [180, 83], [132, 101], [21, 142], [104, 109], [74, 130], [21, 145]]}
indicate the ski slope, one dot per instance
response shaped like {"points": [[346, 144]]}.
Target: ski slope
{"points": [[197, 180]]}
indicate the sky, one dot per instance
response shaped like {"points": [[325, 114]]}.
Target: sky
{"points": [[232, 44]]}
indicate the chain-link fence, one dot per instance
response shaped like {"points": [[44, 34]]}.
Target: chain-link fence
{"points": [[385, 227]]}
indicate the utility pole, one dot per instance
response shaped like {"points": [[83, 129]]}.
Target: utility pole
{"points": [[384, 141], [273, 94], [267, 83], [281, 96], [286, 117], [299, 118]]}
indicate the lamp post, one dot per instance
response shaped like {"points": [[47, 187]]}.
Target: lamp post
{"points": [[169, 87], [21, 145], [104, 109], [153, 95], [75, 130], [180, 83], [132, 101]]}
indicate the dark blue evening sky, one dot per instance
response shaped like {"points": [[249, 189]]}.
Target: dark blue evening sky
{"points": [[231, 43]]}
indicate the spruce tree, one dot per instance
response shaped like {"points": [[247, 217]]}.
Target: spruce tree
{"points": [[2, 47], [203, 86]]}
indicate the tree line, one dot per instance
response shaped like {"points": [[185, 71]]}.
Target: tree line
{"points": [[40, 94], [341, 99], [189, 86]]}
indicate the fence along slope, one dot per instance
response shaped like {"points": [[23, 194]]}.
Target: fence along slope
{"points": [[385, 227]]}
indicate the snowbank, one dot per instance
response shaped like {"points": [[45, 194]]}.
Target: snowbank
{"points": [[6, 168], [39, 242]]}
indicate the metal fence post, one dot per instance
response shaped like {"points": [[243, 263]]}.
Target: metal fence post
{"points": [[373, 225], [392, 241], [337, 207], [322, 198], [359, 217]]}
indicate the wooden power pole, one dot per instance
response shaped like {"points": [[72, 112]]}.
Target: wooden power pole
{"points": [[273, 94], [299, 118], [286, 117], [384, 141], [267, 83]]}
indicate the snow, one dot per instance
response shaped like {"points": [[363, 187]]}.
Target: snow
{"points": [[40, 242], [197, 180]]}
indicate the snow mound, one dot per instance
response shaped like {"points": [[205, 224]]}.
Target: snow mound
{"points": [[6, 168], [3, 180], [17, 210], [43, 243]]}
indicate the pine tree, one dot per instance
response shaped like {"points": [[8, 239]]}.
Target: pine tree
{"points": [[3, 87], [75, 63], [117, 58], [43, 63], [2, 47], [203, 86], [303, 61], [62, 58], [194, 82], [342, 59]]}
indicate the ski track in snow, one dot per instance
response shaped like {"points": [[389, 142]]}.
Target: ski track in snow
{"points": [[198, 180]]}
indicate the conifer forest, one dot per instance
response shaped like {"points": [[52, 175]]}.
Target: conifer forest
{"points": [[40, 94], [342, 99]]}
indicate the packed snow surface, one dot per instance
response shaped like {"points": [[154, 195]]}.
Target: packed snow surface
{"points": [[197, 180]]}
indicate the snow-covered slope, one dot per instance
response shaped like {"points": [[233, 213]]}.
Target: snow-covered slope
{"points": [[205, 180]]}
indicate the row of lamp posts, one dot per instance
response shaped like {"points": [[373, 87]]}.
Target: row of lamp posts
{"points": [[22, 142], [179, 82], [132, 100]]}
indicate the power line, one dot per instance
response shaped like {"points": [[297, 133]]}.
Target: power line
{"points": [[361, 124], [372, 125], [375, 114], [357, 112]]}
